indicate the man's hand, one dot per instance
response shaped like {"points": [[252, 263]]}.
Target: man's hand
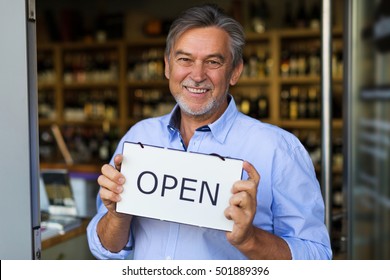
{"points": [[253, 242], [242, 208], [111, 182]]}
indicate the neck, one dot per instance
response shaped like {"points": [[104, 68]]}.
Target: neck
{"points": [[189, 123]]}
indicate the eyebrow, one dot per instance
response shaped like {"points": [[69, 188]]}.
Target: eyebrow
{"points": [[216, 55]]}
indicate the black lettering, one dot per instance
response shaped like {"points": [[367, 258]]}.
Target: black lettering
{"points": [[183, 187], [213, 200], [164, 184], [139, 182]]}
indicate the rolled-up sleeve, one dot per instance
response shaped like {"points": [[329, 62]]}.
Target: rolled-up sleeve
{"points": [[308, 250]]}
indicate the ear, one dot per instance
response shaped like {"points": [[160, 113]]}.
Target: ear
{"points": [[166, 71], [236, 73]]}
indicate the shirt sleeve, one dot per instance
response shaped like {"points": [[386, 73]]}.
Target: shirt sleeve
{"points": [[298, 205]]}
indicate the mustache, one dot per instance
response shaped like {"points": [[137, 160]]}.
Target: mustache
{"points": [[197, 85]]}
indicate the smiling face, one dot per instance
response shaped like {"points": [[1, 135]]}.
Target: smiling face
{"points": [[200, 71]]}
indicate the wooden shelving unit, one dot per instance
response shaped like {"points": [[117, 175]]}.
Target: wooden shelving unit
{"points": [[124, 56]]}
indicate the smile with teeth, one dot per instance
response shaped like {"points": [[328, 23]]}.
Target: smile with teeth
{"points": [[196, 90]]}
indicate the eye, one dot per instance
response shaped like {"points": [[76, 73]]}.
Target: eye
{"points": [[212, 63], [184, 61]]}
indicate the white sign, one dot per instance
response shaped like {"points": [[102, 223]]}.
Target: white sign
{"points": [[178, 186]]}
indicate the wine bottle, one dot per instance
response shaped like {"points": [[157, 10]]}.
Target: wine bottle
{"points": [[285, 104], [302, 103], [294, 103], [262, 106]]}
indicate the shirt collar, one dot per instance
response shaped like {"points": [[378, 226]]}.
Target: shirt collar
{"points": [[219, 128]]}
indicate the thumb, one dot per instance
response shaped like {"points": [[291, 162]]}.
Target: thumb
{"points": [[252, 172], [118, 161]]}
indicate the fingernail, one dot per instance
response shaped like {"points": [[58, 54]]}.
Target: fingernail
{"points": [[121, 180]]}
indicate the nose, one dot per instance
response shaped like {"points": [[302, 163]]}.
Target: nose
{"points": [[198, 72]]}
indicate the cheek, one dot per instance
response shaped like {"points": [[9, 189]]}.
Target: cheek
{"points": [[221, 80], [177, 73]]}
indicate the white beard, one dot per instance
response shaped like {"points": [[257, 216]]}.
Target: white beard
{"points": [[205, 110]]}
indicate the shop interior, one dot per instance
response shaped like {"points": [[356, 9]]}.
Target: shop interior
{"points": [[100, 70]]}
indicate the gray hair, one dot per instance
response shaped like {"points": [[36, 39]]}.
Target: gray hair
{"points": [[208, 16]]}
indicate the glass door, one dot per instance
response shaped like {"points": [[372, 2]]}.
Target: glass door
{"points": [[367, 128]]}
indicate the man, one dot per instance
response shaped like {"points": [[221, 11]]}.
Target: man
{"points": [[278, 217]]}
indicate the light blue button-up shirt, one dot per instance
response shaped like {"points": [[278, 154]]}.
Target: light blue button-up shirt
{"points": [[289, 200]]}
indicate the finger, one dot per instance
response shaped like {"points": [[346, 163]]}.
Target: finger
{"points": [[106, 183], [239, 199], [249, 185], [252, 172], [243, 186], [229, 213], [118, 161], [114, 175], [107, 195], [240, 217]]}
